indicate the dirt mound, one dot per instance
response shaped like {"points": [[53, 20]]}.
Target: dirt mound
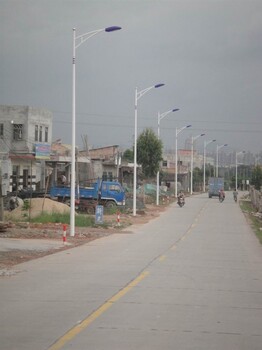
{"points": [[37, 206]]}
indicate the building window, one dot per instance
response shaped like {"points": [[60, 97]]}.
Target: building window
{"points": [[46, 134], [36, 133], [40, 133], [1, 130], [18, 132]]}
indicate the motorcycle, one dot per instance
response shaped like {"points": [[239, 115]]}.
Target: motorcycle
{"points": [[181, 201], [221, 198]]}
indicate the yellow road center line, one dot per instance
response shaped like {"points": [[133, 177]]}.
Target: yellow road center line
{"points": [[72, 333]]}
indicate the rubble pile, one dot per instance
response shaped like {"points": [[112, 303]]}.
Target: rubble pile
{"points": [[35, 207]]}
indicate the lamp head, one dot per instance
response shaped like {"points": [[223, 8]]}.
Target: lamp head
{"points": [[188, 126], [202, 134], [158, 85], [112, 29], [176, 109]]}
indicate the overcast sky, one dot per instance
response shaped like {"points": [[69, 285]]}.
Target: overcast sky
{"points": [[208, 54]]}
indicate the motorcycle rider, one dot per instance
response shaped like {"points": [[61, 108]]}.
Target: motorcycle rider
{"points": [[235, 193], [222, 194], [181, 196]]}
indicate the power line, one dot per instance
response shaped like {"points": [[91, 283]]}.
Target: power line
{"points": [[129, 117], [162, 128]]}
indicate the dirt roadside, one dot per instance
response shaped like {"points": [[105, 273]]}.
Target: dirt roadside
{"points": [[54, 232]]}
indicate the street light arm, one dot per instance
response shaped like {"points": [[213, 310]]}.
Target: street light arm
{"points": [[144, 91], [163, 115], [178, 131], [221, 146], [208, 142], [83, 37], [242, 152], [196, 137]]}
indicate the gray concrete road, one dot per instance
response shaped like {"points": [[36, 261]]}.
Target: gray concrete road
{"points": [[190, 279]]}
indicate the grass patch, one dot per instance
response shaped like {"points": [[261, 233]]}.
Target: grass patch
{"points": [[80, 220], [256, 222]]}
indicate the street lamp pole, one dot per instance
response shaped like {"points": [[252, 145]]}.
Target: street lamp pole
{"points": [[77, 41], [177, 133], [192, 161], [206, 143], [160, 117], [237, 153], [138, 95], [218, 148]]}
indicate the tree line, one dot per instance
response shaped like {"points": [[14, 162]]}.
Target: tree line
{"points": [[150, 155]]}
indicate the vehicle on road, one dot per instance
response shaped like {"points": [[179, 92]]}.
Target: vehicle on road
{"points": [[215, 184], [110, 194], [181, 199], [181, 202]]}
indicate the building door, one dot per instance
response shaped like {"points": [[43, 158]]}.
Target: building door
{"points": [[25, 178], [15, 178]]}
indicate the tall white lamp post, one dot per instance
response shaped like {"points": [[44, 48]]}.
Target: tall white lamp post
{"points": [[218, 148], [206, 143], [194, 138], [77, 41], [160, 117], [237, 154], [138, 95], [178, 131]]}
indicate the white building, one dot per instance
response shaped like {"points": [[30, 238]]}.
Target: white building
{"points": [[25, 143]]}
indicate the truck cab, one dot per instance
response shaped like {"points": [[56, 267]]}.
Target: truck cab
{"points": [[112, 192]]}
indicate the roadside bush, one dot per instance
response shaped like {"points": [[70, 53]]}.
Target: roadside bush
{"points": [[256, 222]]}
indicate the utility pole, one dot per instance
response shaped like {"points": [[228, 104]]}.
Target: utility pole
{"points": [[1, 198]]}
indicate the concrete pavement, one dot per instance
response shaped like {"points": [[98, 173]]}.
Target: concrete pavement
{"points": [[190, 279]]}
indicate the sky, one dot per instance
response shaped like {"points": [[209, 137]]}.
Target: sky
{"points": [[207, 53]]}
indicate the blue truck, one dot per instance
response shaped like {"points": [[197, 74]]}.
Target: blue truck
{"points": [[107, 193], [215, 184]]}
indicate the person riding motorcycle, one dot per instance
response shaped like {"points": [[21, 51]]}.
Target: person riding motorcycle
{"points": [[181, 197], [235, 193], [221, 194]]}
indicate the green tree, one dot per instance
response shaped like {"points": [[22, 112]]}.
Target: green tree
{"points": [[197, 179], [128, 155], [149, 152], [256, 178]]}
